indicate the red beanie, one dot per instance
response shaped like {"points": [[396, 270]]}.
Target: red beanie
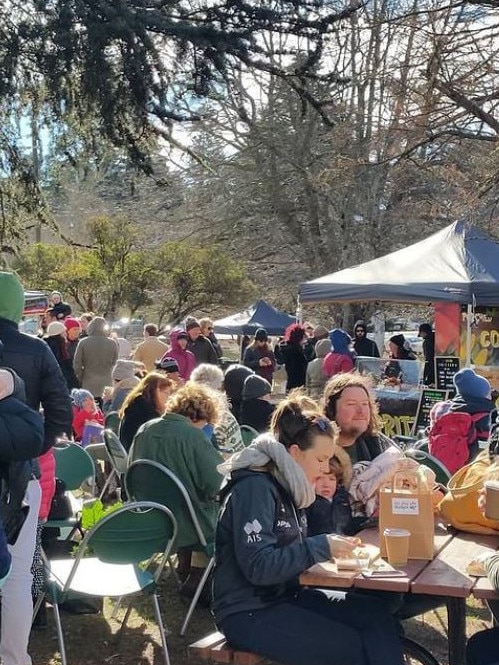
{"points": [[69, 322]]}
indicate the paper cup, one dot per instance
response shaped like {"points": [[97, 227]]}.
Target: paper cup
{"points": [[397, 546], [492, 499]]}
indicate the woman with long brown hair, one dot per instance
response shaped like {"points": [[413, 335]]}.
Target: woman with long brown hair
{"points": [[145, 402]]}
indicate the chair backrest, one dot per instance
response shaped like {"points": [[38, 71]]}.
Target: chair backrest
{"points": [[112, 421], [116, 451], [248, 434], [146, 480], [130, 535], [73, 465], [442, 474]]}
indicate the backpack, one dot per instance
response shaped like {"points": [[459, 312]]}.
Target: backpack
{"points": [[451, 436]]}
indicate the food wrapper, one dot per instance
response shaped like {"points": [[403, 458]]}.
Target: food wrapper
{"points": [[360, 559]]}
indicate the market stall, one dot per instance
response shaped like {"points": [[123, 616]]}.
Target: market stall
{"points": [[455, 269], [258, 315]]}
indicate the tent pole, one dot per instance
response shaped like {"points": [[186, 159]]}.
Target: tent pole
{"points": [[298, 310], [469, 316]]}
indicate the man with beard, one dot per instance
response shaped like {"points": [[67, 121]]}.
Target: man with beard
{"points": [[362, 344], [349, 402]]}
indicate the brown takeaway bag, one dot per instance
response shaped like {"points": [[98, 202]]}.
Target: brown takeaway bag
{"points": [[410, 509], [459, 507]]}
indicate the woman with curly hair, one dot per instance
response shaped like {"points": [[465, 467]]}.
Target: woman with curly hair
{"points": [[291, 353], [144, 402], [177, 441]]}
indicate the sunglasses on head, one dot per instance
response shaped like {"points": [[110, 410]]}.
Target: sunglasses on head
{"points": [[322, 423]]}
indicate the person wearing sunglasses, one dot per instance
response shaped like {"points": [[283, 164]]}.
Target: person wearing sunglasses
{"points": [[199, 344], [261, 547], [363, 346], [207, 331]]}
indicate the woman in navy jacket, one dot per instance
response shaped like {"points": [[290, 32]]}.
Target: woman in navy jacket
{"points": [[261, 547]]}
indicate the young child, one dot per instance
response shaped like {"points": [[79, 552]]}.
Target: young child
{"points": [[331, 511], [85, 411]]}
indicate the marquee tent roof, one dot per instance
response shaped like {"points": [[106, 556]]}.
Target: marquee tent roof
{"points": [[259, 315], [459, 264]]}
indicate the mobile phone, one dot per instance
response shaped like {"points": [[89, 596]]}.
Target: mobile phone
{"points": [[370, 574]]}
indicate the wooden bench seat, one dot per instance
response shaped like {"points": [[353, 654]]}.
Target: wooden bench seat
{"points": [[214, 649]]}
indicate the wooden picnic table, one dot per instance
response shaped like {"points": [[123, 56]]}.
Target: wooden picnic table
{"points": [[444, 576]]}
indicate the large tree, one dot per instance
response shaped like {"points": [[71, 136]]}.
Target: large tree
{"points": [[137, 66]]}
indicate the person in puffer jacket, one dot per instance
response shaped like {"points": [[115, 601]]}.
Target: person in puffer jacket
{"points": [[21, 440], [186, 360], [316, 379], [340, 359], [262, 546]]}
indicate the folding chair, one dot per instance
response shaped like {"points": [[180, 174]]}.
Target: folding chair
{"points": [[146, 480], [119, 542], [248, 434], [118, 457], [112, 421], [74, 466]]}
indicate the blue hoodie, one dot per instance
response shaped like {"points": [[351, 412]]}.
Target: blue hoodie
{"points": [[340, 341]]}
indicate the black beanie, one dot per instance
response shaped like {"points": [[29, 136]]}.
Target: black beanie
{"points": [[398, 340], [256, 386], [167, 364]]}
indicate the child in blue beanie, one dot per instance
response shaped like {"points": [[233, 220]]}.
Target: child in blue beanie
{"points": [[341, 357]]}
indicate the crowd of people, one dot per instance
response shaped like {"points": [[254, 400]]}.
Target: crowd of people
{"points": [[272, 509]]}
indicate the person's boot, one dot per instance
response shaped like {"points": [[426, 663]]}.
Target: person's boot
{"points": [[188, 588], [183, 564]]}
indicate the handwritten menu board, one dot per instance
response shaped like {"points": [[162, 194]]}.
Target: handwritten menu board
{"points": [[429, 397], [445, 368]]}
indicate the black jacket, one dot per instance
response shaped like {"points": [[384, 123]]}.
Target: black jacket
{"points": [[137, 413], [366, 447], [21, 439], [260, 545], [363, 345], [34, 362], [256, 413], [203, 350], [63, 357], [295, 361], [234, 378], [429, 359]]}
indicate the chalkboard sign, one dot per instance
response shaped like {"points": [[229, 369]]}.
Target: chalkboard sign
{"points": [[445, 368], [429, 397]]}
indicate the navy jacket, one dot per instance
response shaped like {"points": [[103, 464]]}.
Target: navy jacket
{"points": [[35, 363], [260, 545], [21, 440], [21, 431], [334, 516]]}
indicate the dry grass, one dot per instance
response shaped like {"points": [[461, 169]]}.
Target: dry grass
{"points": [[91, 639]]}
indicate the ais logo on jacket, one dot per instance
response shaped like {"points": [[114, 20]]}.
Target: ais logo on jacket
{"points": [[252, 530]]}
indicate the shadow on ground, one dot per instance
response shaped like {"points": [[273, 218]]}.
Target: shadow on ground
{"points": [[92, 639]]}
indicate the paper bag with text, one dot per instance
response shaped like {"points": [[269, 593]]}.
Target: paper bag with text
{"points": [[411, 508]]}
